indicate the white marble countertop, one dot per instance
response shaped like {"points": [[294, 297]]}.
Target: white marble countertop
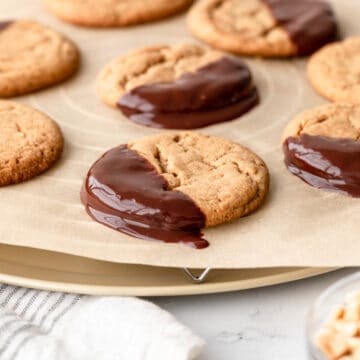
{"points": [[266, 323]]}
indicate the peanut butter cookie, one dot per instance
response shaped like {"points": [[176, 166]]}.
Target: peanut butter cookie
{"points": [[334, 71], [322, 148], [102, 13], [33, 57], [267, 28], [30, 142], [174, 184], [225, 179], [339, 120], [179, 87]]}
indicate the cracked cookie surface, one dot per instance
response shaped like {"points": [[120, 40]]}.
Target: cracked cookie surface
{"points": [[103, 13], [338, 120], [30, 142], [151, 65], [225, 179], [33, 57], [334, 71]]}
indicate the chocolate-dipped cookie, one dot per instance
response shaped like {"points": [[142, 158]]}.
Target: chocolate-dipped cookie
{"points": [[322, 147], [168, 187], [178, 87], [266, 28]]}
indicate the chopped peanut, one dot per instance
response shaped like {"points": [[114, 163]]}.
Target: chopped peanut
{"points": [[340, 337]]}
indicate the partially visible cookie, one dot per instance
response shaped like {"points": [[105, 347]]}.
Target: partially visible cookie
{"points": [[322, 147], [183, 86], [30, 142], [266, 28], [334, 71], [338, 120], [33, 57], [103, 13]]}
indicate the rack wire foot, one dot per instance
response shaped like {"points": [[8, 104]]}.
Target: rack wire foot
{"points": [[196, 279]]}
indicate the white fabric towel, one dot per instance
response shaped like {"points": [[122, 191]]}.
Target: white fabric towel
{"points": [[41, 325]]}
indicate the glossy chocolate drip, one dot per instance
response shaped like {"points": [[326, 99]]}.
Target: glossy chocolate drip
{"points": [[124, 191], [5, 24], [326, 163], [310, 23], [217, 92]]}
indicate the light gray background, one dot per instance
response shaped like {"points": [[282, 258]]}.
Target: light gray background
{"points": [[259, 324]]}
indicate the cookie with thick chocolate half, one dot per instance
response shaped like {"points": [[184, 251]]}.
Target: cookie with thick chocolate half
{"points": [[178, 87], [168, 187], [266, 28], [322, 148]]}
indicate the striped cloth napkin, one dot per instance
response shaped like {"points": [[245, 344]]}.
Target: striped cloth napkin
{"points": [[41, 325]]}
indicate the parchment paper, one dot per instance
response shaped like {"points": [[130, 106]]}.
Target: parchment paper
{"points": [[297, 226]]}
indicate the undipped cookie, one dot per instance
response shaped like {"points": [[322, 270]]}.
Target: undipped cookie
{"points": [[33, 57], [30, 142], [266, 28], [164, 184], [180, 87], [322, 147], [334, 71], [102, 13]]}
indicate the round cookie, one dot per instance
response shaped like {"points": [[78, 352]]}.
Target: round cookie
{"points": [[334, 71], [105, 13], [225, 179], [338, 120], [33, 57], [168, 187], [30, 142], [266, 28], [150, 65]]}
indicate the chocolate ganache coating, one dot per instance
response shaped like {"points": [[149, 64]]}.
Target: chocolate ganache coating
{"points": [[310, 23], [5, 24], [125, 192], [325, 163], [217, 92]]}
